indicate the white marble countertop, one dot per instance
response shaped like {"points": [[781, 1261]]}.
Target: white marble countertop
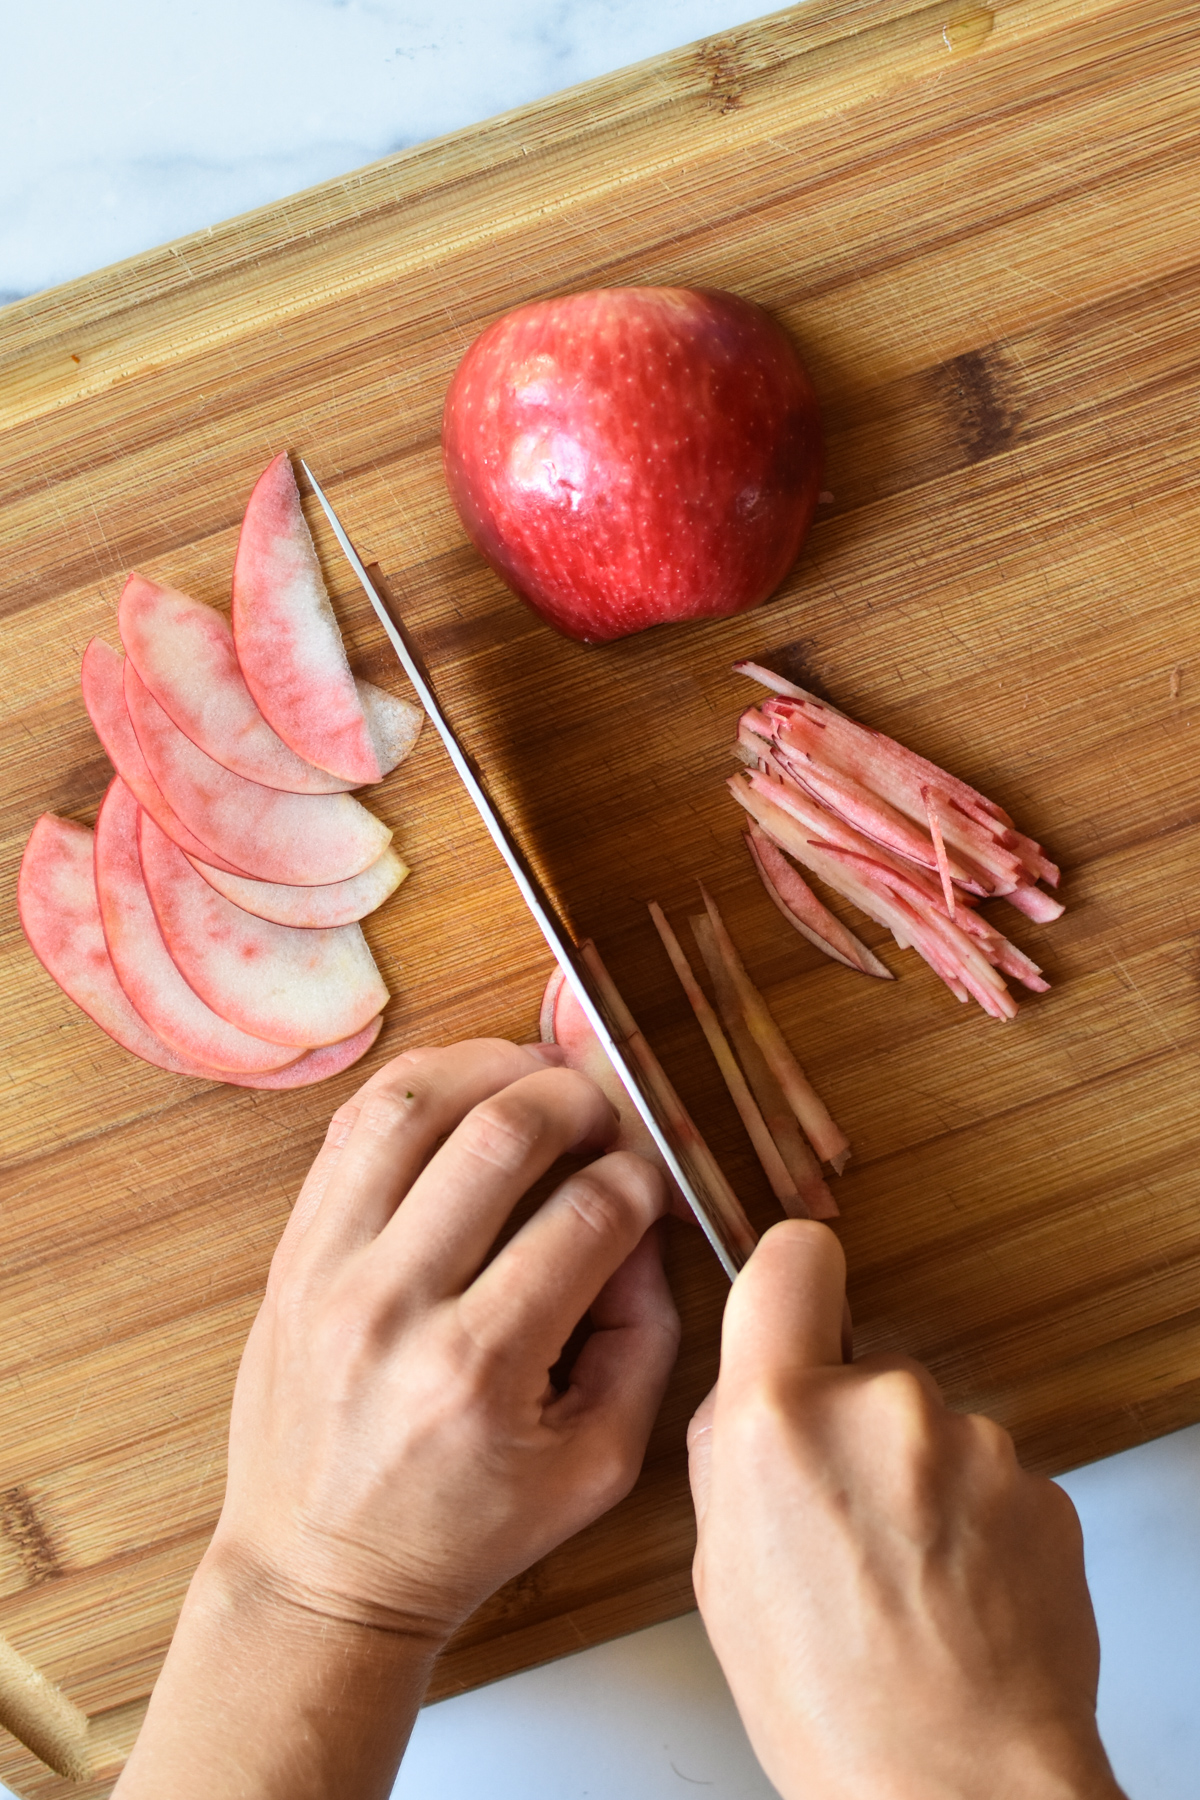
{"points": [[126, 123]]}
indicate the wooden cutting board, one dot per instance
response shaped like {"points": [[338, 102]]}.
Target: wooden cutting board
{"points": [[981, 227]]}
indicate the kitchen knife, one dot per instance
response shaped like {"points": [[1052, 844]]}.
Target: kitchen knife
{"points": [[707, 1193]]}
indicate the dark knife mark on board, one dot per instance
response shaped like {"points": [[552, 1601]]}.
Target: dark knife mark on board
{"points": [[977, 393], [720, 61], [21, 1525]]}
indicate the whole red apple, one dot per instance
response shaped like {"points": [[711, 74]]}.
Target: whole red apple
{"points": [[634, 455]]}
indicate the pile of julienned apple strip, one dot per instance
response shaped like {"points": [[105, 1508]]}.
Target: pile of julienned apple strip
{"points": [[210, 923], [911, 846]]}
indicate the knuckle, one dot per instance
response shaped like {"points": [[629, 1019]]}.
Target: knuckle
{"points": [[386, 1111], [992, 1446], [764, 1417], [598, 1202], [616, 1470], [504, 1130], [1056, 1503], [639, 1180], [342, 1121], [904, 1395], [403, 1093]]}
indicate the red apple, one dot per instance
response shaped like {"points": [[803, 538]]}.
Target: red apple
{"points": [[634, 455]]}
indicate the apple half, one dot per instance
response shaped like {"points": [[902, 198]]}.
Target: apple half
{"points": [[305, 840], [634, 455], [275, 982], [60, 916]]}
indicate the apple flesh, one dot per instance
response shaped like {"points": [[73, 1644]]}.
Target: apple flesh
{"points": [[894, 796], [275, 982], [102, 678], [60, 915], [312, 908], [183, 651], [305, 840], [631, 456], [142, 962], [562, 1021], [288, 642], [802, 909]]}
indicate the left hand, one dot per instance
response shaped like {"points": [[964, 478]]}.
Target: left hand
{"points": [[397, 1450]]}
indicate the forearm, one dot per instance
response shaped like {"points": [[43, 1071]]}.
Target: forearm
{"points": [[263, 1699]]}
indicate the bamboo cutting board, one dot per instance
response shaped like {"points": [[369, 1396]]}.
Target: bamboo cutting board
{"points": [[981, 227]]}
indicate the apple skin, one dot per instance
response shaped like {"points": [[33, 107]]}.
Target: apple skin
{"points": [[631, 456]]}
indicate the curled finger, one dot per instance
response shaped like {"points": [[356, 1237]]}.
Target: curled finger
{"points": [[527, 1301], [395, 1123]]}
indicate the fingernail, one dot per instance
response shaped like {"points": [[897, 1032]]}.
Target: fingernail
{"points": [[552, 1055]]}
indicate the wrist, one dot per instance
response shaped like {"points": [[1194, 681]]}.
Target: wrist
{"points": [[235, 1583], [268, 1690]]}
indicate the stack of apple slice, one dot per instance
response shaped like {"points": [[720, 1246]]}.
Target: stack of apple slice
{"points": [[211, 923], [911, 846]]}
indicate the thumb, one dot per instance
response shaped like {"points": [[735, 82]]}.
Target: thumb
{"points": [[699, 1445], [787, 1308]]}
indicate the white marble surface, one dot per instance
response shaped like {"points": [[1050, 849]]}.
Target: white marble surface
{"points": [[127, 122]]}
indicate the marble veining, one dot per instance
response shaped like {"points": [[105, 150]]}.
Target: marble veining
{"points": [[126, 123]]}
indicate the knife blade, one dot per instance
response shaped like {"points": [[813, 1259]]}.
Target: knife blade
{"points": [[712, 1201]]}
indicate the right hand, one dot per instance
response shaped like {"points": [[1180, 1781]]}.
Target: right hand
{"points": [[899, 1608]]}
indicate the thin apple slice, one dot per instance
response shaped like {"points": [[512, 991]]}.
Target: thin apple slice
{"points": [[103, 680], [802, 909], [765, 1147], [60, 915], [793, 1146], [287, 637], [173, 1011], [888, 874], [316, 1065], [288, 986], [393, 723], [561, 1021], [341, 903], [827, 1139], [183, 652], [303, 840], [994, 870]]}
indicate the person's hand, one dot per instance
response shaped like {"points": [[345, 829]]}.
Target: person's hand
{"points": [[398, 1448], [900, 1610]]}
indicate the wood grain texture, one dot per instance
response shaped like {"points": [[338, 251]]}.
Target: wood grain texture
{"points": [[989, 256]]}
